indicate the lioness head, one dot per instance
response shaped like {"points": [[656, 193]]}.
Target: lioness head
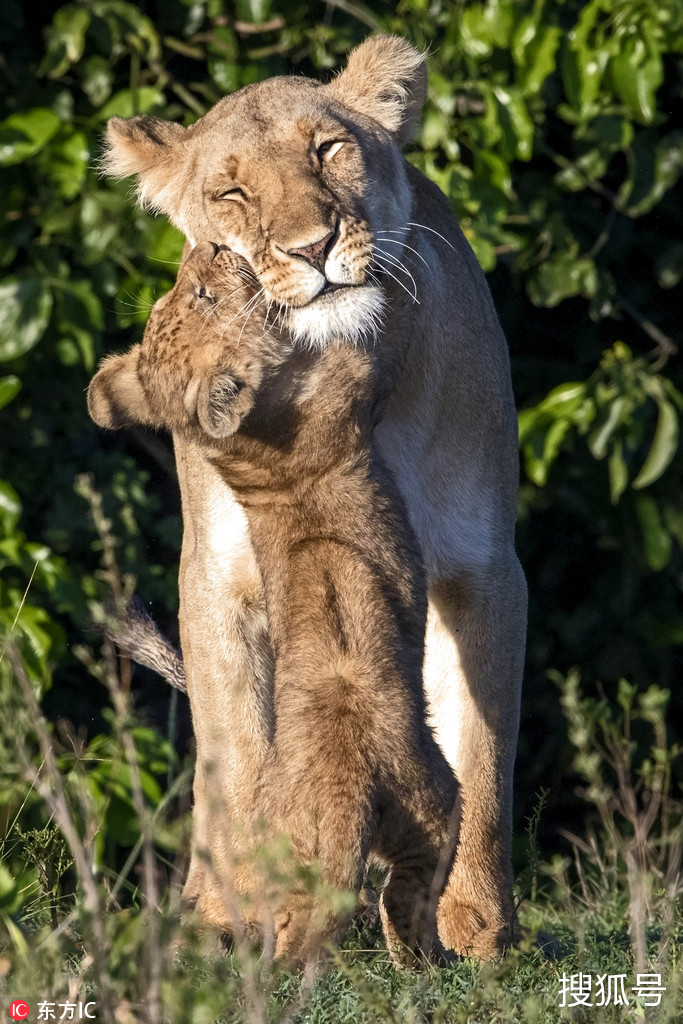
{"points": [[297, 177]]}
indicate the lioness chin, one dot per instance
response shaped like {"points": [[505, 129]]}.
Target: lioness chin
{"points": [[306, 181], [353, 768]]}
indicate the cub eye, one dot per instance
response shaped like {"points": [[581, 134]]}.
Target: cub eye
{"points": [[201, 293], [326, 150], [231, 193]]}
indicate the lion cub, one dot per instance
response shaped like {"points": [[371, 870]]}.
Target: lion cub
{"points": [[353, 768]]}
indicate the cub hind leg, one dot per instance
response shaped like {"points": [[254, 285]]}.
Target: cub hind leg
{"points": [[417, 837], [319, 793]]}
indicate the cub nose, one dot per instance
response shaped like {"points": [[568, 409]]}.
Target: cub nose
{"points": [[315, 253]]}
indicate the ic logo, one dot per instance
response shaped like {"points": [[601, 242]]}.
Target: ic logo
{"points": [[19, 1010]]}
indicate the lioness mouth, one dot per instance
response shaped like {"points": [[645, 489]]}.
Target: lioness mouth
{"points": [[330, 287]]}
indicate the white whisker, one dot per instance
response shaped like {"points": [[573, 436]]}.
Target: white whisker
{"points": [[424, 226], [244, 309], [404, 245], [395, 262], [253, 309], [386, 271], [169, 263]]}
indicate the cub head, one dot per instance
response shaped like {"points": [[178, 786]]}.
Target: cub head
{"points": [[202, 357], [305, 181]]}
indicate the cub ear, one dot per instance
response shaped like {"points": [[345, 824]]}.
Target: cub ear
{"points": [[115, 395], [223, 401], [150, 149], [385, 78]]}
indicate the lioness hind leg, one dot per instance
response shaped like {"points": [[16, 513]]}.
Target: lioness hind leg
{"points": [[473, 669]]}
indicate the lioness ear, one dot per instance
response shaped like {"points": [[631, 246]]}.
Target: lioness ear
{"points": [[116, 397], [148, 148], [385, 78]]}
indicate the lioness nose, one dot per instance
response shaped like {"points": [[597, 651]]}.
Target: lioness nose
{"points": [[315, 253]]}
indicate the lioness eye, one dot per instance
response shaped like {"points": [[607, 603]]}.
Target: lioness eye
{"points": [[201, 294], [326, 150], [231, 193]]}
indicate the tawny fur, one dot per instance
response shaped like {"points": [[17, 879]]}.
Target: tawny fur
{"points": [[448, 431], [353, 768]]}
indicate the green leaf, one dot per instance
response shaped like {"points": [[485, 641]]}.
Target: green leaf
{"points": [[9, 387], [69, 159], [25, 307], [10, 507], [653, 703], [164, 244], [34, 623], [254, 11], [434, 129], [657, 542], [599, 437], [65, 39], [484, 251], [517, 127], [485, 26], [589, 167], [493, 170], [637, 73], [582, 62], [129, 27], [664, 445], [618, 473], [669, 266], [542, 443], [614, 131], [534, 48], [23, 135], [561, 277], [97, 80], [79, 305], [128, 102], [672, 391], [656, 169], [565, 399]]}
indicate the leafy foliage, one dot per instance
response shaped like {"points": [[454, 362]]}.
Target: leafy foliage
{"points": [[555, 129]]}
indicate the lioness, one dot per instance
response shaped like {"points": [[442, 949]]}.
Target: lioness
{"points": [[307, 182], [353, 767]]}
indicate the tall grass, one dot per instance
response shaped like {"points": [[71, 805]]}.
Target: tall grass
{"points": [[75, 927]]}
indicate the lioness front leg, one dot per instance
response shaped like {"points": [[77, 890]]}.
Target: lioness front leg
{"points": [[229, 666], [473, 672]]}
